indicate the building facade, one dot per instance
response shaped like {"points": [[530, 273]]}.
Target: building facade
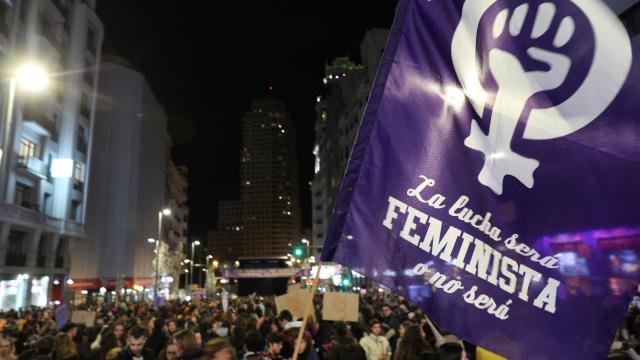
{"points": [[128, 177], [46, 134], [338, 117], [267, 216]]}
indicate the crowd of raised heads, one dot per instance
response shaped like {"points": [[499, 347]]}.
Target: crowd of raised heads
{"points": [[389, 328]]}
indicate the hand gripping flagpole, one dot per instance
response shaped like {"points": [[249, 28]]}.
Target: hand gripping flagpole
{"points": [[307, 310]]}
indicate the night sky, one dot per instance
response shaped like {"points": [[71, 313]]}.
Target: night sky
{"points": [[206, 60]]}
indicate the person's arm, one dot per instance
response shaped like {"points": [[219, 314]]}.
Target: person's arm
{"points": [[365, 347], [388, 349]]}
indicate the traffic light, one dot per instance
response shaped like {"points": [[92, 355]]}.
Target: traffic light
{"points": [[298, 251], [346, 282]]}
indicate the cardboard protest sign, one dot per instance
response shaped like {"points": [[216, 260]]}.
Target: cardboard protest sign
{"points": [[294, 302], [84, 317], [338, 306]]}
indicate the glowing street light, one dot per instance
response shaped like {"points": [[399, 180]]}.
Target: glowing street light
{"points": [[32, 77], [161, 214]]}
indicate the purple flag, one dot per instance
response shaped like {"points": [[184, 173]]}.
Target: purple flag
{"points": [[62, 316], [495, 179]]}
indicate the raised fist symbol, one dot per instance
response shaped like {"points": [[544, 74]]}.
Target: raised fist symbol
{"points": [[515, 87]]}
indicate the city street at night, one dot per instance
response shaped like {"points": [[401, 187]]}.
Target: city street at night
{"points": [[337, 180]]}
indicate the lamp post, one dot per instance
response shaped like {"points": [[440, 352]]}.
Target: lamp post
{"points": [[161, 213], [306, 242], [32, 78], [193, 245]]}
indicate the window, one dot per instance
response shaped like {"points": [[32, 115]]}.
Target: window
{"points": [[42, 251], [60, 252], [77, 172], [81, 144], [47, 206], [16, 243], [23, 195], [27, 150], [16, 252], [76, 210], [85, 106]]}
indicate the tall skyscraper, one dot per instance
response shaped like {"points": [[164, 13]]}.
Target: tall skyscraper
{"points": [[266, 218], [46, 143], [338, 117]]}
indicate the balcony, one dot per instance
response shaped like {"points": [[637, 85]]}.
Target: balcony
{"points": [[34, 166], [16, 260], [39, 122], [31, 217]]}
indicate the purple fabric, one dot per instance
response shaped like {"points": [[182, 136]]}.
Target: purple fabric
{"points": [[558, 290]]}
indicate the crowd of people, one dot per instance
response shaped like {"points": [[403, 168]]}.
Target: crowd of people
{"points": [[389, 328]]}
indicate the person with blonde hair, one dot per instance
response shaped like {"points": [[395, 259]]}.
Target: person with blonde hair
{"points": [[65, 348], [187, 348], [219, 349]]}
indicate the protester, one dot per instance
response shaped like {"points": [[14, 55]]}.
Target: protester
{"points": [[275, 343], [45, 347], [344, 346], [374, 344], [247, 329], [413, 345], [218, 349], [7, 350], [451, 351], [186, 346], [47, 324], [158, 339], [136, 350], [65, 348]]}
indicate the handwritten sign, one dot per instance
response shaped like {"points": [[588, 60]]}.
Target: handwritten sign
{"points": [[340, 306], [294, 302], [84, 317]]}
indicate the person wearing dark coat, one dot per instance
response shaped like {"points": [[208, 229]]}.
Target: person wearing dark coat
{"points": [[346, 348], [136, 349], [158, 339], [45, 347]]}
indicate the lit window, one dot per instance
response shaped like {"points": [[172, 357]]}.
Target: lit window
{"points": [[27, 150], [77, 172]]}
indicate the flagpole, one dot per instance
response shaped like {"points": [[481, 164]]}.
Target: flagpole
{"points": [[307, 310]]}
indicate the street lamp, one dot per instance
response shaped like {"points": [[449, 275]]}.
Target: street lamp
{"points": [[29, 77], [161, 213], [193, 245], [306, 242]]}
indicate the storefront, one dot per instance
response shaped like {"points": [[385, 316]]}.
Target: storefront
{"points": [[23, 291], [110, 289]]}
